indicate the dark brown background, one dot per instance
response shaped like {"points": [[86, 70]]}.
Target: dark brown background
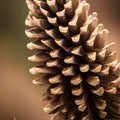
{"points": [[18, 96]]}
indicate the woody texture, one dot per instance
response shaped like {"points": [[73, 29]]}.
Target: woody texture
{"points": [[74, 60]]}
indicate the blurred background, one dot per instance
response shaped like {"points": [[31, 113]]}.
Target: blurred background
{"points": [[19, 98]]}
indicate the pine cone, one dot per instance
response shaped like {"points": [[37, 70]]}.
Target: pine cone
{"points": [[73, 59]]}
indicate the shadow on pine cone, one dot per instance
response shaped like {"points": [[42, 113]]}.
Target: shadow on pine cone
{"points": [[81, 71]]}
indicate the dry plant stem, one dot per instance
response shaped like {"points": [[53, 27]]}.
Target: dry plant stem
{"points": [[81, 70]]}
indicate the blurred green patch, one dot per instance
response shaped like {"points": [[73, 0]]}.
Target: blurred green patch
{"points": [[12, 37]]}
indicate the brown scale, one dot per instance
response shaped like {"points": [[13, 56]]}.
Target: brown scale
{"points": [[81, 71]]}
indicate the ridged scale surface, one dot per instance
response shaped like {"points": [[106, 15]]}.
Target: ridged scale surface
{"points": [[81, 70]]}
